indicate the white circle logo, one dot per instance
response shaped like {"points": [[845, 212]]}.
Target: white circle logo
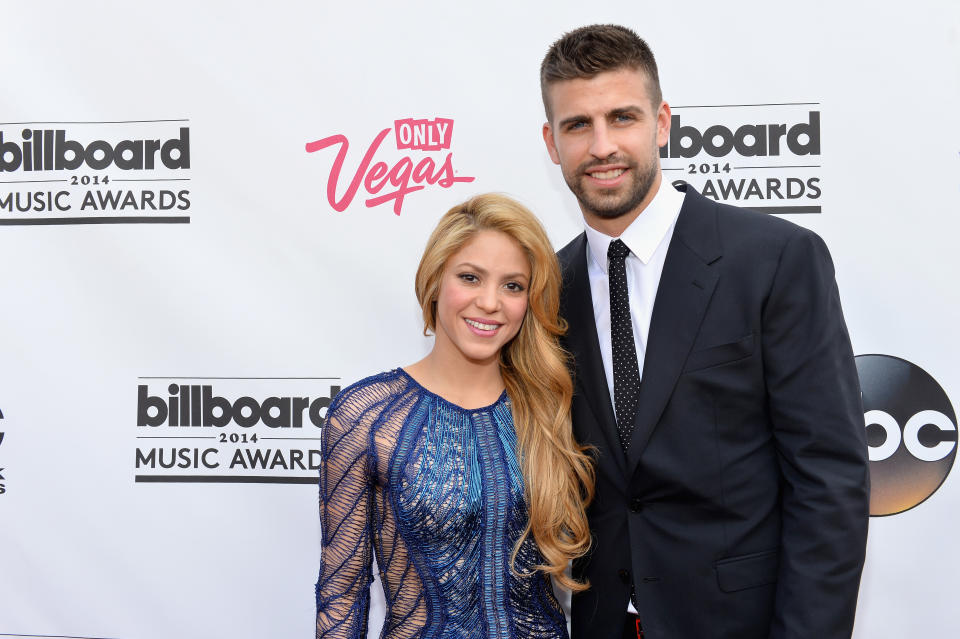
{"points": [[911, 432]]}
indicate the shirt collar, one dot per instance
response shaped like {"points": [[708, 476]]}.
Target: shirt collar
{"points": [[645, 233]]}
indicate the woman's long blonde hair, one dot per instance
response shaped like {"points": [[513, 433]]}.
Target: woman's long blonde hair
{"points": [[558, 473]]}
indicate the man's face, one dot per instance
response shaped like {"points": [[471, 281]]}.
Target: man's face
{"points": [[605, 135]]}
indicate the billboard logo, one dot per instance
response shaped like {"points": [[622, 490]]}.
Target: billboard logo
{"points": [[117, 172], [764, 157], [231, 429], [911, 432], [51, 150], [196, 405], [749, 140], [384, 182]]}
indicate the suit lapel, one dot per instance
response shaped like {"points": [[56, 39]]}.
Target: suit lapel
{"points": [[591, 380], [686, 285]]}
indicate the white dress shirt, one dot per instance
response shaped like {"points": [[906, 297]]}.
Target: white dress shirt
{"points": [[648, 238]]}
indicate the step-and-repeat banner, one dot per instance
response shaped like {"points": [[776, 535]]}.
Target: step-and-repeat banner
{"points": [[210, 219]]}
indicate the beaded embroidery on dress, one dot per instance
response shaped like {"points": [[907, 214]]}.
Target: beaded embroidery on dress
{"points": [[436, 490]]}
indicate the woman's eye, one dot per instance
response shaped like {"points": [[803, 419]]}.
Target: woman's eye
{"points": [[468, 277], [515, 287]]}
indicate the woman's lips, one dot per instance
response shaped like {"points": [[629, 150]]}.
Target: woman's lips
{"points": [[483, 328]]}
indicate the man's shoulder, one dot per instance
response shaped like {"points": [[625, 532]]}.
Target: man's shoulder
{"points": [[746, 219], [740, 227], [574, 249]]}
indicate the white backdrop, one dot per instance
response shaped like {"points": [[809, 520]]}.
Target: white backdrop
{"points": [[255, 286]]}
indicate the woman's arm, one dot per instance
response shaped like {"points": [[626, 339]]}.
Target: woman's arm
{"points": [[343, 588]]}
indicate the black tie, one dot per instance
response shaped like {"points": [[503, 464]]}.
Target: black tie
{"points": [[626, 372]]}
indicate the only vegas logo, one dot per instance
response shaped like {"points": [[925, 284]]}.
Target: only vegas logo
{"points": [[422, 158]]}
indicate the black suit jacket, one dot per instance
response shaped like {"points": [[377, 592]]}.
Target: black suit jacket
{"points": [[740, 510]]}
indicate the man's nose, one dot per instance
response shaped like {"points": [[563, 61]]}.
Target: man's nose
{"points": [[603, 144]]}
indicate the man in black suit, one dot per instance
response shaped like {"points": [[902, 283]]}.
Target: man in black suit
{"points": [[714, 379]]}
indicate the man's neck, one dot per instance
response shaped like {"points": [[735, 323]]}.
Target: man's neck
{"points": [[614, 227]]}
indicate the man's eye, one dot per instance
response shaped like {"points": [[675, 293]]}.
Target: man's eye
{"points": [[624, 117], [573, 126]]}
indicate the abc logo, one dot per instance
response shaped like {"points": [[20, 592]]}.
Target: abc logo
{"points": [[911, 432]]}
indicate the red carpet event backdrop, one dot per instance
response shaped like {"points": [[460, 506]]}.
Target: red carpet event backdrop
{"points": [[210, 219]]}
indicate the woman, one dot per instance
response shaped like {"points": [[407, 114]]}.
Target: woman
{"points": [[461, 470]]}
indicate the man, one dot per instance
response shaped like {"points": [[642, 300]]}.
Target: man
{"points": [[714, 378]]}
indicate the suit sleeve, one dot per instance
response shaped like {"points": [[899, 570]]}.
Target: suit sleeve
{"points": [[343, 587], [818, 426]]}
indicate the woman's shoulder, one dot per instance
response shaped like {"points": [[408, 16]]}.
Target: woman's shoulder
{"points": [[371, 393]]}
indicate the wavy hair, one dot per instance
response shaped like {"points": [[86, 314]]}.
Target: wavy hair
{"points": [[558, 473]]}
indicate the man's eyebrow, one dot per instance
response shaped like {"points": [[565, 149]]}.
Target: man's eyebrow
{"points": [[631, 108]]}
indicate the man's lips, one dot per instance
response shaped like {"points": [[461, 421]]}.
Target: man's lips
{"points": [[606, 174]]}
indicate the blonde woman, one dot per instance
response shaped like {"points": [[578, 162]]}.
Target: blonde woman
{"points": [[460, 471]]}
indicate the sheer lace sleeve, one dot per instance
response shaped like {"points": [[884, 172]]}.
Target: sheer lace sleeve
{"points": [[343, 588]]}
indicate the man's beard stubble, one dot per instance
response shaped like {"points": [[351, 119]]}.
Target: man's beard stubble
{"points": [[614, 207]]}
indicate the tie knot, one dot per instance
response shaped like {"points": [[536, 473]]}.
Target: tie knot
{"points": [[617, 250]]}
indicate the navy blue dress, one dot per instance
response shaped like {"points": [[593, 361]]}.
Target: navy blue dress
{"points": [[436, 491]]}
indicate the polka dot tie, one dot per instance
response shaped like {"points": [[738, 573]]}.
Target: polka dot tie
{"points": [[626, 372]]}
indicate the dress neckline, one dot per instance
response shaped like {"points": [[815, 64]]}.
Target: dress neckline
{"points": [[423, 389]]}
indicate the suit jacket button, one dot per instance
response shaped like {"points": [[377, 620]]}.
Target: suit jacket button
{"points": [[624, 575], [636, 505]]}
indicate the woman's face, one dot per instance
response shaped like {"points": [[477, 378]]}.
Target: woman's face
{"points": [[483, 296]]}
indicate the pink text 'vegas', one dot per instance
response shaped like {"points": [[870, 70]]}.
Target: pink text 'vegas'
{"points": [[385, 183]]}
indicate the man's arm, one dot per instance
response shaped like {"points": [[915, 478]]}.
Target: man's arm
{"points": [[818, 426]]}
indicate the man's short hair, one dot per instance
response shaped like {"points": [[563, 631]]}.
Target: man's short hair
{"points": [[591, 50]]}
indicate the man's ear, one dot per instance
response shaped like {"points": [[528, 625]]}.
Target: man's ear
{"points": [[663, 124], [551, 144]]}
